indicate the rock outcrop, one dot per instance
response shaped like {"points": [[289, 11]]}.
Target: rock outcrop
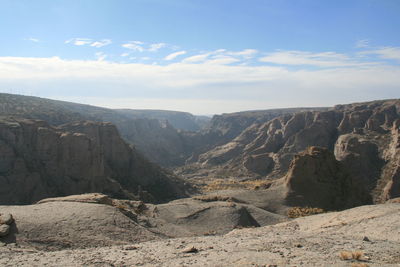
{"points": [[40, 161], [316, 179]]}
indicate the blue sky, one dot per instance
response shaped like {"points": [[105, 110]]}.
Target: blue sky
{"points": [[201, 56]]}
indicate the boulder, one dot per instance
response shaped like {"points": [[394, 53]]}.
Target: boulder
{"points": [[6, 218]]}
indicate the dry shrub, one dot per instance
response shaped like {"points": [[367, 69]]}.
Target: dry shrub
{"points": [[225, 184], [346, 255], [352, 255], [357, 255], [297, 212]]}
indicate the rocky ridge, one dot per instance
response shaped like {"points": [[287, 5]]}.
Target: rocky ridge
{"points": [[364, 138]]}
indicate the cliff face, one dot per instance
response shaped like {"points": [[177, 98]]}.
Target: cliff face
{"points": [[39, 161], [316, 179], [363, 136]]}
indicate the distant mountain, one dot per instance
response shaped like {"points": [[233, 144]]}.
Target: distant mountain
{"points": [[179, 120]]}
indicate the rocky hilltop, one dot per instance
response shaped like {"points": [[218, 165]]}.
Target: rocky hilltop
{"points": [[361, 142], [179, 120], [39, 161]]}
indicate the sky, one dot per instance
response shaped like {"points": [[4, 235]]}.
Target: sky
{"points": [[201, 56]]}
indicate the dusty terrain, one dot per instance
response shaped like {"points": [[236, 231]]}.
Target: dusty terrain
{"points": [[371, 233]]}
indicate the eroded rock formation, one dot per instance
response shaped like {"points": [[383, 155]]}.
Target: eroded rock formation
{"points": [[363, 136], [39, 161]]}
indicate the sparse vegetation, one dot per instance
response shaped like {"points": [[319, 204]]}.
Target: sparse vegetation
{"points": [[353, 255], [297, 212], [225, 184]]}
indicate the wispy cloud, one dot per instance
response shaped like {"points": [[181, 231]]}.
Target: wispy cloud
{"points": [[174, 55], [384, 53], [79, 41], [88, 41], [362, 43], [134, 45], [140, 46], [101, 43], [35, 40], [324, 59], [221, 56], [246, 53], [156, 47], [196, 58]]}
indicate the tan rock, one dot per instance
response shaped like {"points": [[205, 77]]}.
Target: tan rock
{"points": [[6, 218]]}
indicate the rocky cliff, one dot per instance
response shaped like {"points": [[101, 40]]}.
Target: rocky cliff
{"points": [[363, 136], [151, 132], [38, 161]]}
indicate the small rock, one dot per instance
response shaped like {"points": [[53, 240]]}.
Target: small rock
{"points": [[2, 244], [299, 245], [366, 239], [6, 218], [190, 250], [4, 229]]}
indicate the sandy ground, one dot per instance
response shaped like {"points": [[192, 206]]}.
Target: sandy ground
{"points": [[310, 241]]}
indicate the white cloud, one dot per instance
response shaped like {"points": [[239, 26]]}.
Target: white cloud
{"points": [[156, 47], [384, 53], [174, 55], [88, 41], [101, 43], [124, 54], [79, 41], [196, 58], [35, 40], [222, 60], [134, 45], [246, 53], [362, 43], [323, 59], [219, 87]]}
